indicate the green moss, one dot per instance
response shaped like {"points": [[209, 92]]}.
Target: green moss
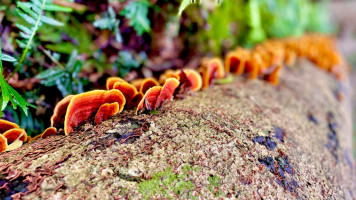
{"points": [[165, 183], [215, 183]]}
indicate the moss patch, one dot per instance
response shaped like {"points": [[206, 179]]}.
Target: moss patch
{"points": [[214, 187], [167, 184]]}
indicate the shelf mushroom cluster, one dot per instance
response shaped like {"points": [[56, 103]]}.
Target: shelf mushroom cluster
{"points": [[12, 136], [264, 61]]}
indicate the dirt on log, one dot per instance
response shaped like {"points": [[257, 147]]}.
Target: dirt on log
{"points": [[244, 140]]}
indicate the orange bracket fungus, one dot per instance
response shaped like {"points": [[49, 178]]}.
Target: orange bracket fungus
{"points": [[235, 61], [31, 139], [168, 74], [128, 90], [273, 77], [48, 132], [135, 101], [194, 79], [137, 83], [147, 84], [184, 86], [254, 65], [110, 82], [149, 100], [6, 125], [211, 69], [14, 134], [105, 111], [85, 105], [167, 92], [3, 143], [59, 112]]}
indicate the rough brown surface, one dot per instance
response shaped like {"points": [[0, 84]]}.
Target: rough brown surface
{"points": [[245, 140]]}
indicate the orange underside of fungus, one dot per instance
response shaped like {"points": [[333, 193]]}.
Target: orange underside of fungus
{"points": [[235, 61], [273, 76], [15, 133], [57, 119], [135, 101], [105, 111], [167, 91], [85, 105], [149, 100], [6, 125]]}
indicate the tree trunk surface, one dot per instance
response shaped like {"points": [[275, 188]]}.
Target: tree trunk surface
{"points": [[245, 140]]}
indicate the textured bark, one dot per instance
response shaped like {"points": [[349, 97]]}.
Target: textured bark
{"points": [[246, 140]]}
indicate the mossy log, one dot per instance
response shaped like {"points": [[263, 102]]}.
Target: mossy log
{"points": [[245, 140]]}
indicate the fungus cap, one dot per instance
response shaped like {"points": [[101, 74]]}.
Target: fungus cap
{"points": [[235, 61], [85, 105], [168, 74], [127, 89], [137, 83], [147, 84], [149, 100], [15, 133], [211, 68], [60, 111], [105, 111], [48, 132], [167, 92], [214, 64], [3, 143], [194, 78], [7, 125], [254, 65], [31, 139], [112, 80]]}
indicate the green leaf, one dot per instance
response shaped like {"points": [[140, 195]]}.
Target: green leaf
{"points": [[24, 28], [51, 80], [71, 61], [5, 94], [26, 17], [49, 72], [136, 12], [7, 58], [104, 23], [51, 21], [56, 8]]}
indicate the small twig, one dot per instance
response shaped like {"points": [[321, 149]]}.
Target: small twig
{"points": [[51, 57]]}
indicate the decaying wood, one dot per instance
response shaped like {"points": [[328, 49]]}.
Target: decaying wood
{"points": [[246, 139]]}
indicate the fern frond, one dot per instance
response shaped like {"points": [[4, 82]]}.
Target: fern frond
{"points": [[32, 13]]}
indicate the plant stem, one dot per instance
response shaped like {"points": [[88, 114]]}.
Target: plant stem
{"points": [[51, 57], [23, 56]]}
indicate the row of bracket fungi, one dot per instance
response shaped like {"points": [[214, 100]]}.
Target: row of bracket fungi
{"points": [[12, 136], [264, 61]]}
